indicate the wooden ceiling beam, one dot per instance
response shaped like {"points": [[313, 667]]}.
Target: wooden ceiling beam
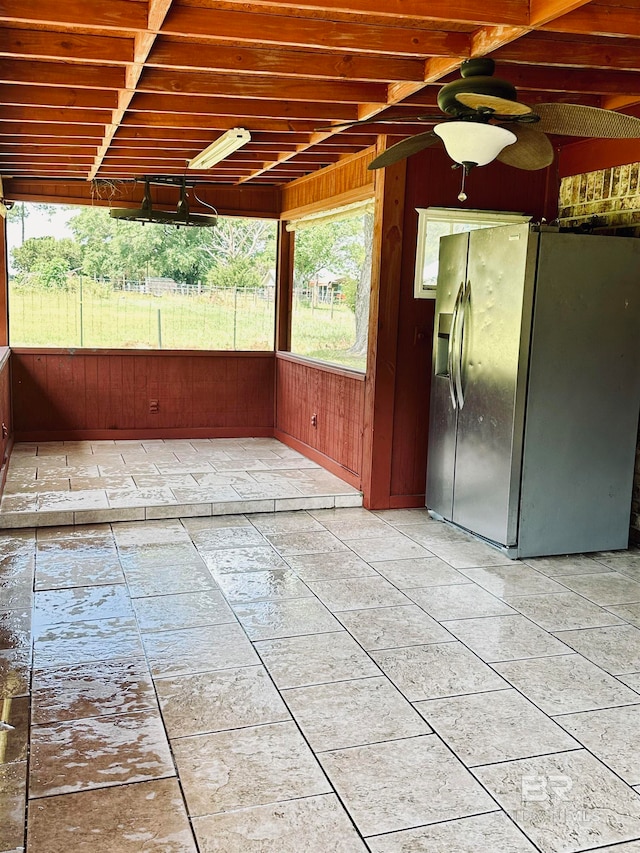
{"points": [[172, 53], [49, 131], [286, 31], [588, 81], [70, 47], [61, 74], [57, 96], [599, 19], [463, 11], [54, 114], [537, 49], [216, 123], [156, 13], [203, 105], [77, 149], [255, 86], [84, 14]]}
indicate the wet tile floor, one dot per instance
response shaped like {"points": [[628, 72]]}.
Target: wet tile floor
{"points": [[321, 681], [88, 482]]}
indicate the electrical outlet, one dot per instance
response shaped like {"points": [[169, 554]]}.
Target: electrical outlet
{"points": [[314, 420], [154, 407]]}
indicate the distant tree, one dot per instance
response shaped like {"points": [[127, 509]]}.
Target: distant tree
{"points": [[46, 260], [241, 251]]}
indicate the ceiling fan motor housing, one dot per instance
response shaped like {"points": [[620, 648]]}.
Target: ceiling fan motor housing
{"points": [[477, 79]]}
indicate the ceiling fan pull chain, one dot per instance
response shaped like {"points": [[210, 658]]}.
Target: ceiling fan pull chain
{"points": [[466, 168]]}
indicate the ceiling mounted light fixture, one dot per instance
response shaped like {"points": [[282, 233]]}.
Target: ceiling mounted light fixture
{"points": [[469, 142], [221, 148]]}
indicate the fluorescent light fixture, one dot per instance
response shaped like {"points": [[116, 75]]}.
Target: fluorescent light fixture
{"points": [[469, 142], [221, 148]]}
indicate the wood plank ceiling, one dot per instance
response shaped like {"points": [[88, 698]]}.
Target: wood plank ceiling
{"points": [[113, 89]]}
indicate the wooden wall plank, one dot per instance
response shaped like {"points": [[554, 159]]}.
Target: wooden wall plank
{"points": [[73, 394]]}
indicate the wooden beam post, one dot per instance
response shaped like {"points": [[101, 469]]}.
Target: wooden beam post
{"points": [[284, 288], [4, 276], [380, 388]]}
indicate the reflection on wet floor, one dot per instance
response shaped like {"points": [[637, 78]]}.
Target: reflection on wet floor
{"points": [[362, 681]]}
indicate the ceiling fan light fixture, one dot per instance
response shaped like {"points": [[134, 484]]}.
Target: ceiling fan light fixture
{"points": [[225, 145], [474, 143]]}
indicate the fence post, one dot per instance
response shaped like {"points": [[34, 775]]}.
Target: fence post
{"points": [[235, 313], [159, 328], [81, 316]]}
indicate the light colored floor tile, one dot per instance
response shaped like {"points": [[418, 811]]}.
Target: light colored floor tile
{"points": [[15, 672], [76, 563], [569, 564], [458, 602], [605, 588], [98, 752], [315, 659], [393, 546], [353, 713], [567, 684], [91, 690], [630, 612], [273, 523], [183, 610], [203, 649], [403, 784], [270, 585], [405, 516], [268, 620], [511, 580], [148, 816], [15, 629], [13, 783], [486, 728], [497, 638], [70, 643], [612, 735], [215, 701], [15, 740], [357, 593], [333, 566], [252, 559], [616, 649], [393, 627], [467, 554], [436, 671], [320, 821], [216, 538], [143, 557], [419, 572], [563, 611], [565, 802], [490, 832], [365, 527], [171, 578], [81, 603], [305, 542], [151, 533], [620, 560], [248, 767]]}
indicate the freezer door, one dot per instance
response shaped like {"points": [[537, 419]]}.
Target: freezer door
{"points": [[493, 345], [452, 271]]}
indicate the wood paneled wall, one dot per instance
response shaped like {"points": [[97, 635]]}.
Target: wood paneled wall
{"points": [[336, 398], [62, 394], [5, 410], [431, 182], [347, 181]]}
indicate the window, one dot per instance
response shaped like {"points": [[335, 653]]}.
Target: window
{"points": [[437, 222], [82, 279], [331, 285]]}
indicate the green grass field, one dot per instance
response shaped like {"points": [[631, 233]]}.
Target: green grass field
{"points": [[221, 321]]}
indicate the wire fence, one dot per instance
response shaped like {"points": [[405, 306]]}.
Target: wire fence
{"points": [[142, 315]]}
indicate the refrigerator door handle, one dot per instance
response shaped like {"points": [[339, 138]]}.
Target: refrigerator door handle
{"points": [[462, 309], [451, 347]]}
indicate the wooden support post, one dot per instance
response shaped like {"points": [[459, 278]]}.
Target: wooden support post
{"points": [[4, 284], [284, 288], [380, 390]]}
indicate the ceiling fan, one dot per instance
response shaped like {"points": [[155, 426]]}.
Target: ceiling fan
{"points": [[484, 121]]}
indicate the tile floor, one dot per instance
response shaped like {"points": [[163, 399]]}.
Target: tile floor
{"points": [[322, 681], [87, 482]]}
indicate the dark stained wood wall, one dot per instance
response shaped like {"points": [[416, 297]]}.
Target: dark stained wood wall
{"points": [[5, 408], [432, 183], [62, 394], [336, 397]]}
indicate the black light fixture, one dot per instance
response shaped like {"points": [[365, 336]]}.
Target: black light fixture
{"points": [[181, 217]]}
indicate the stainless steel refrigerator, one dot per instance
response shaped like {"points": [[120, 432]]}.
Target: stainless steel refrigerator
{"points": [[536, 388]]}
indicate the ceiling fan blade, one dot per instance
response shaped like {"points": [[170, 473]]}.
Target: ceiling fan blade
{"points": [[531, 151], [403, 149], [578, 120], [403, 118], [499, 106]]}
